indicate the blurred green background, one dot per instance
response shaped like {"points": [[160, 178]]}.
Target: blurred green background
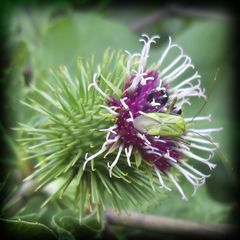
{"points": [[45, 37]]}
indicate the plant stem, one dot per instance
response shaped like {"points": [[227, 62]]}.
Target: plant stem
{"points": [[171, 10], [169, 225], [138, 220]]}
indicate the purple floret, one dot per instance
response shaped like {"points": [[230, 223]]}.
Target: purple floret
{"points": [[139, 100]]}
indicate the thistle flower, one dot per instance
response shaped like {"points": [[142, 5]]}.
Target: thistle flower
{"points": [[88, 128], [151, 90]]}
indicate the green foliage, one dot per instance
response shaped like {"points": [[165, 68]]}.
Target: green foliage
{"points": [[68, 227], [19, 229]]}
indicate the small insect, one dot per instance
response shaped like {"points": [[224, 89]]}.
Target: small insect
{"points": [[161, 124], [166, 124]]}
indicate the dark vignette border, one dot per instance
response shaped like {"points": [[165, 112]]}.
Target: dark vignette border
{"points": [[5, 59]]}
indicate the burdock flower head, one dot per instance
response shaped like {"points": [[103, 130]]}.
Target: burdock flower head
{"points": [[148, 117], [113, 134]]}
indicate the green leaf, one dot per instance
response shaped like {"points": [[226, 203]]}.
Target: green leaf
{"points": [[19, 229], [71, 30], [69, 226], [63, 234]]}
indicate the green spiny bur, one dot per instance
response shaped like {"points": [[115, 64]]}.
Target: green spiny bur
{"points": [[67, 127]]}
